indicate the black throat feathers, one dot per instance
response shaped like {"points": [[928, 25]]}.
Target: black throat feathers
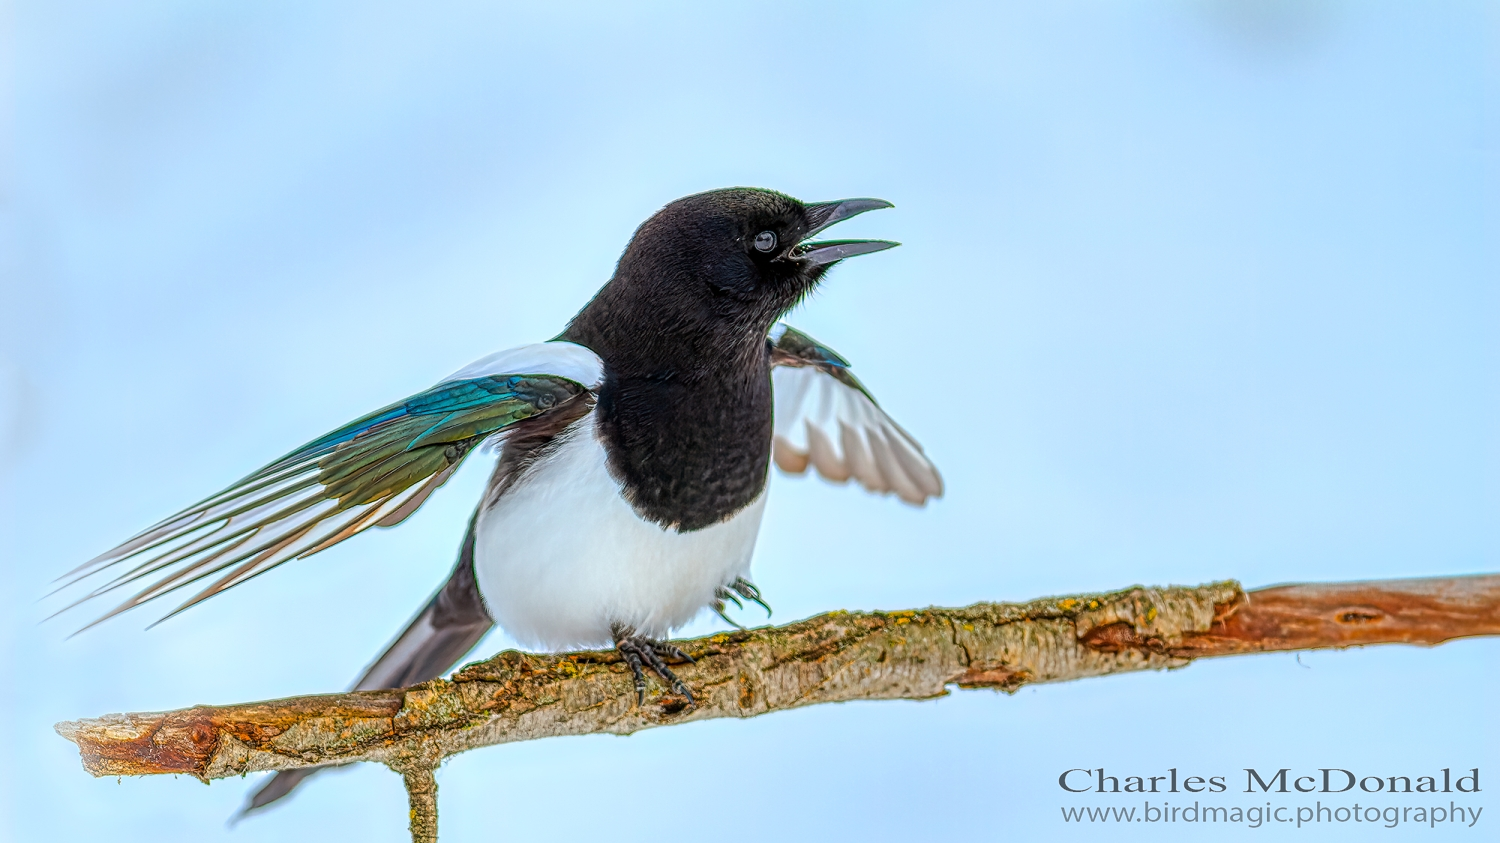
{"points": [[685, 407], [688, 439]]}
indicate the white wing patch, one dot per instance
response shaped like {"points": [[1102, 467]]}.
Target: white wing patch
{"points": [[564, 359], [823, 422]]}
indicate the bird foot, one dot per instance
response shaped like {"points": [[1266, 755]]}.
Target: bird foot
{"points": [[743, 588], [641, 652]]}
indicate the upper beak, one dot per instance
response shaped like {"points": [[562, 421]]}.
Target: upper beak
{"points": [[824, 214]]}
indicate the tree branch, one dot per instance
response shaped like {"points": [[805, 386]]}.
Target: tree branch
{"points": [[836, 657], [421, 795]]}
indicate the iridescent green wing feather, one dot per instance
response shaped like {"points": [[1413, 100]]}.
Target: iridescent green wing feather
{"points": [[373, 472]]}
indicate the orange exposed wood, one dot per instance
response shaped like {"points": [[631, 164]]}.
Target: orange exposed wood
{"points": [[834, 657]]}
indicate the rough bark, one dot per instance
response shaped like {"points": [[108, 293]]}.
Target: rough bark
{"points": [[835, 657], [421, 795]]}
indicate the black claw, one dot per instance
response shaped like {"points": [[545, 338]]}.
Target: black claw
{"points": [[747, 590], [726, 594], [633, 659], [719, 609], [664, 648], [641, 652]]}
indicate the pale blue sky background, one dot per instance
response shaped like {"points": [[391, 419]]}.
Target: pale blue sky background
{"points": [[1188, 291]]}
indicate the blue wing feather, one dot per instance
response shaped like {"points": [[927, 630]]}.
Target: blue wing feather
{"points": [[381, 465]]}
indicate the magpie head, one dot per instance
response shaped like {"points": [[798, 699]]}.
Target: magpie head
{"points": [[723, 264], [747, 251]]}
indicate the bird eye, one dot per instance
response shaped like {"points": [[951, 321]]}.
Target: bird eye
{"points": [[765, 241]]}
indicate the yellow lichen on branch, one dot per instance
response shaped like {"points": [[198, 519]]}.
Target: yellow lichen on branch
{"points": [[836, 657]]}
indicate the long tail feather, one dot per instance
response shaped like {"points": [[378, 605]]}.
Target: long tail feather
{"points": [[439, 636]]}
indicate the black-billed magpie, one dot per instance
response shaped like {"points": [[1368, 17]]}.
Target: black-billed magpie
{"points": [[634, 450]]}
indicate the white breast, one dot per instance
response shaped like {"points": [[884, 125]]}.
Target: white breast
{"points": [[561, 557]]}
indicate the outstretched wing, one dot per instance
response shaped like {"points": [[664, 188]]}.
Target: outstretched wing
{"points": [[826, 418], [373, 472]]}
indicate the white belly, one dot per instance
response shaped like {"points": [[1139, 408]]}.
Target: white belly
{"points": [[561, 557]]}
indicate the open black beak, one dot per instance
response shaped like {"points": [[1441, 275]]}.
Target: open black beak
{"points": [[824, 214]]}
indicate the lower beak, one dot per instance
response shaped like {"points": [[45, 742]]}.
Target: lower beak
{"points": [[828, 251], [825, 214]]}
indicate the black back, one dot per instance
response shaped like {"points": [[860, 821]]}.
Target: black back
{"points": [[685, 408]]}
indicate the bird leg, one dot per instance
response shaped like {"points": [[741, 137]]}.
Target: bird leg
{"points": [[641, 652]]}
